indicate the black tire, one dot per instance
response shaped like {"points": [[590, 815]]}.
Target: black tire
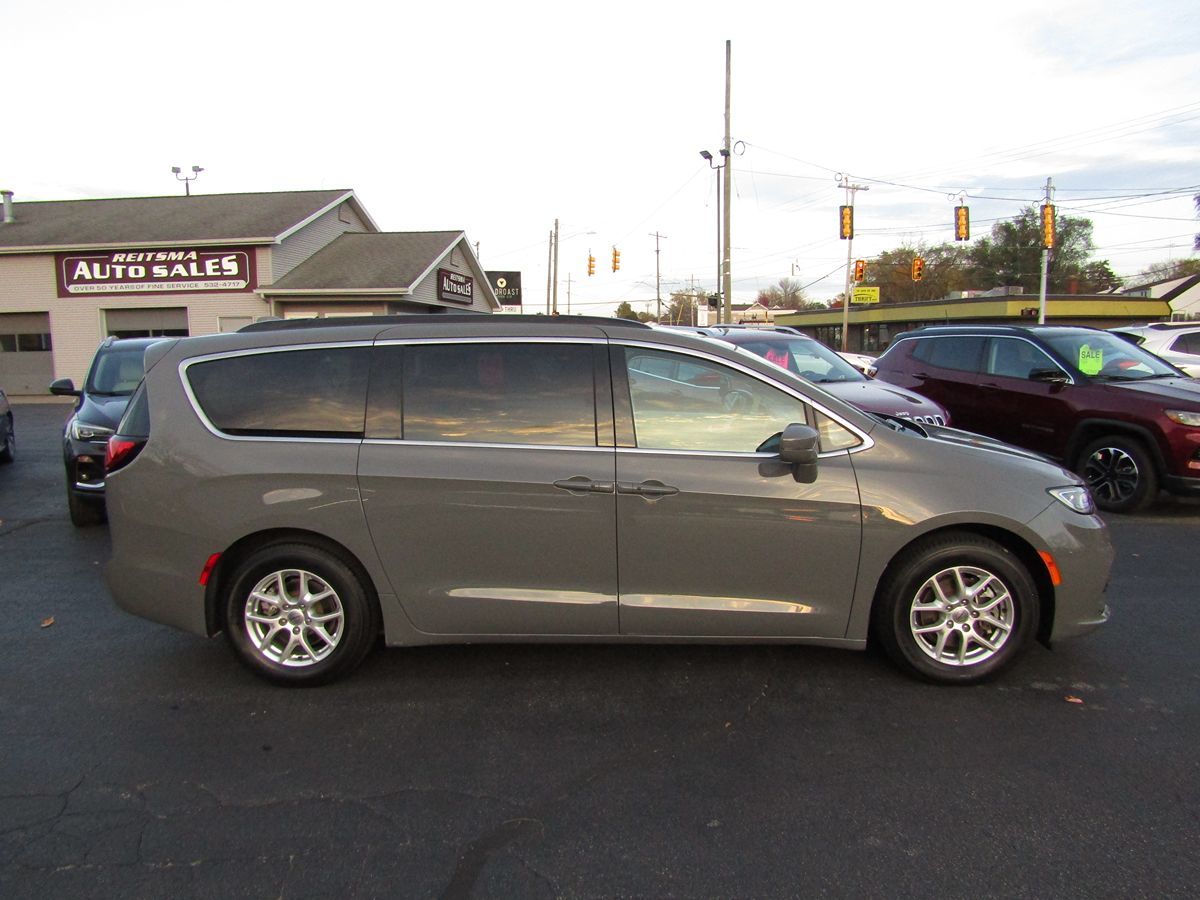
{"points": [[300, 644], [84, 510], [956, 638], [1119, 472], [8, 440]]}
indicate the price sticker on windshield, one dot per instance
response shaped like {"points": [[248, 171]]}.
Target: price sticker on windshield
{"points": [[1090, 361]]}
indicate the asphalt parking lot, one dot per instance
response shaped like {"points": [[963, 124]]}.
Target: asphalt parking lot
{"points": [[143, 762]]}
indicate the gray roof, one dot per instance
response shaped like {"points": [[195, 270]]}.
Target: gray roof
{"points": [[371, 262], [140, 221]]}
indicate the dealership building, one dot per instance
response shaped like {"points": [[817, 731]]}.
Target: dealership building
{"points": [[73, 272]]}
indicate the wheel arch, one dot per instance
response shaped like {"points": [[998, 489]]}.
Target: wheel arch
{"points": [[1088, 430], [241, 550], [1014, 543]]}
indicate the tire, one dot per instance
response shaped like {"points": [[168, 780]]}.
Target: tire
{"points": [[1119, 472], [8, 440], [297, 642], [85, 511], [957, 609]]}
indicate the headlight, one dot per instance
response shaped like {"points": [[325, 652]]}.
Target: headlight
{"points": [[1183, 417], [82, 431], [1076, 496]]}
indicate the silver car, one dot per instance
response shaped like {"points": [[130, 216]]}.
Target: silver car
{"points": [[1176, 342], [306, 487]]}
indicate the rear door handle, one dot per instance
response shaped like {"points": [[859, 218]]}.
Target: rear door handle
{"points": [[646, 489], [581, 484]]}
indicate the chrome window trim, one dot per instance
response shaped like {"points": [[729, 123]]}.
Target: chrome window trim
{"points": [[1035, 346], [866, 441], [186, 364], [489, 445]]}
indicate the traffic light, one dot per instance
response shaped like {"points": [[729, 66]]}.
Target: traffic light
{"points": [[591, 263], [847, 220], [918, 268], [1047, 225], [962, 223], [860, 269], [616, 259]]}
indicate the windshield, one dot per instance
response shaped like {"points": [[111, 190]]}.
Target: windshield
{"points": [[1106, 356], [116, 371], [802, 356]]}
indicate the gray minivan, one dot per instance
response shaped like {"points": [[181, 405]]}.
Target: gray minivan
{"points": [[307, 487]]}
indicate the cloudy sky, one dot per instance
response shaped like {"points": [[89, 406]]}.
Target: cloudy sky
{"points": [[497, 118]]}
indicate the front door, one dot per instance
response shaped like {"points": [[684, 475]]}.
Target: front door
{"points": [[715, 537]]}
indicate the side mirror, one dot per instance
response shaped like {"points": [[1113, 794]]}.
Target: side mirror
{"points": [[1049, 376], [64, 387], [799, 446]]}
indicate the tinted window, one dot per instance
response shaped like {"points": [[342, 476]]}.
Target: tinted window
{"points": [[116, 370], [500, 393], [703, 405], [1015, 358], [1187, 343], [294, 393], [960, 352], [136, 421]]}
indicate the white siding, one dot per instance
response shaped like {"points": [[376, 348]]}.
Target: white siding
{"points": [[456, 261], [308, 240]]}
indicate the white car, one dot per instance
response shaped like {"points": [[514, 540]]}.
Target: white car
{"points": [[860, 361], [1176, 342]]}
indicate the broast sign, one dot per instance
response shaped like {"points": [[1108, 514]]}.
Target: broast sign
{"points": [[156, 271]]}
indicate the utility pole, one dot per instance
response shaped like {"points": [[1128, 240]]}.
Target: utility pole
{"points": [[549, 269], [1045, 262], [850, 189], [727, 279], [554, 310], [568, 293], [657, 273]]}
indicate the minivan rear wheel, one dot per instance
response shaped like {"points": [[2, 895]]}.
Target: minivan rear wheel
{"points": [[956, 609], [297, 614], [1119, 472]]}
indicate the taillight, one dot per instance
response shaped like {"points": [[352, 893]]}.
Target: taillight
{"points": [[121, 451]]}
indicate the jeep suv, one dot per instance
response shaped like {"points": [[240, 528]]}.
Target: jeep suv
{"points": [[308, 486], [1124, 419], [115, 371]]}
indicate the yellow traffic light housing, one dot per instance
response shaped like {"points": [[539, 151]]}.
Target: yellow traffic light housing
{"points": [[1048, 225], [591, 263], [918, 268], [847, 223], [860, 269], [616, 259], [962, 223]]}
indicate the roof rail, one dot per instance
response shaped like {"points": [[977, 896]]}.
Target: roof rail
{"points": [[451, 318]]}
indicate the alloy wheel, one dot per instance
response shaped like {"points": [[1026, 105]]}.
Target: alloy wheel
{"points": [[962, 616], [294, 618], [1112, 474]]}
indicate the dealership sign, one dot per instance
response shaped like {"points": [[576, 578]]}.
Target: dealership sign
{"points": [[507, 286], [455, 288], [155, 271]]}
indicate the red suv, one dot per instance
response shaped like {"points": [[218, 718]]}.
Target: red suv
{"points": [[1125, 420]]}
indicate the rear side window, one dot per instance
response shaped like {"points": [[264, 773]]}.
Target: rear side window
{"points": [[960, 352], [1187, 343], [500, 393], [136, 421], [318, 393]]}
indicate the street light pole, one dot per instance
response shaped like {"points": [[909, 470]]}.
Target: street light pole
{"points": [[708, 157], [727, 281]]}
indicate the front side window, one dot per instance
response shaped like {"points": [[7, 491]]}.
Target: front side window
{"points": [[1105, 356], [1015, 358], [318, 393], [478, 392], [684, 403]]}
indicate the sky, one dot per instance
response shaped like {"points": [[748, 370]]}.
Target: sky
{"points": [[498, 119]]}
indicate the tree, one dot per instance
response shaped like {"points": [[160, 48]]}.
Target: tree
{"points": [[682, 308], [1172, 268], [625, 311], [1012, 255], [787, 294], [891, 272]]}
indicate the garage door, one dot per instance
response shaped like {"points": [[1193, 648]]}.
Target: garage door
{"points": [[167, 321]]}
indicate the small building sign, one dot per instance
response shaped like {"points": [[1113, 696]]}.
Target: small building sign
{"points": [[154, 271], [507, 286], [865, 295], [454, 287]]}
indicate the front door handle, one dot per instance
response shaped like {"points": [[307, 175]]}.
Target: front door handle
{"points": [[646, 489], [581, 484]]}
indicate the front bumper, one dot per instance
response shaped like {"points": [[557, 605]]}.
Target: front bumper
{"points": [[1083, 552]]}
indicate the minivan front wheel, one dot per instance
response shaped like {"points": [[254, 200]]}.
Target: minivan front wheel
{"points": [[957, 609], [1120, 473], [297, 614]]}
